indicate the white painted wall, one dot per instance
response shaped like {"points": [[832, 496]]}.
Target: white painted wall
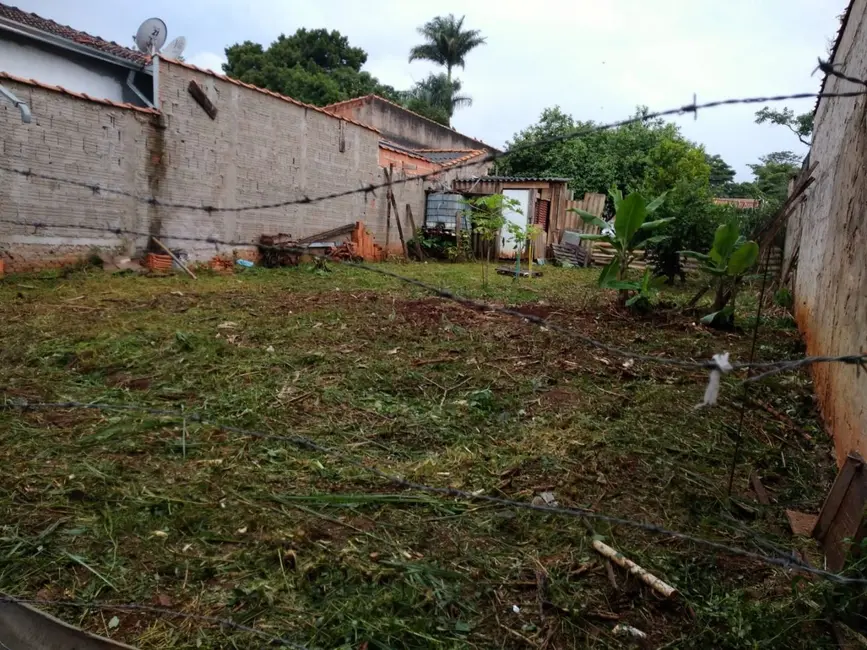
{"points": [[58, 70]]}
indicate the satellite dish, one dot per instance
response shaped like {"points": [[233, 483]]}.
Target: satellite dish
{"points": [[174, 49], [151, 35]]}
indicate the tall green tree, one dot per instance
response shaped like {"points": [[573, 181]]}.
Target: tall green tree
{"points": [[774, 172], [801, 125], [447, 43], [721, 174], [313, 66]]}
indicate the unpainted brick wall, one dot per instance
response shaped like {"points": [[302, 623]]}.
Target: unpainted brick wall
{"points": [[413, 191], [259, 149], [77, 139], [828, 233]]}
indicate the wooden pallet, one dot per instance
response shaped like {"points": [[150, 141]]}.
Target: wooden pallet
{"points": [[569, 254]]}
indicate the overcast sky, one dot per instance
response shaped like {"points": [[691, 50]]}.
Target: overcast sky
{"points": [[596, 59]]}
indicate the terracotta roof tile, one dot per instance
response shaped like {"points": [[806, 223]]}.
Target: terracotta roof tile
{"points": [[82, 96], [63, 31]]}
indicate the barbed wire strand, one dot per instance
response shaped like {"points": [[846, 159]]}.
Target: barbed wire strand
{"points": [[490, 157], [773, 367], [787, 562], [172, 613]]}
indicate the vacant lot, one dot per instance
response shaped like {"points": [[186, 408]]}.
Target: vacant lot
{"points": [[127, 507]]}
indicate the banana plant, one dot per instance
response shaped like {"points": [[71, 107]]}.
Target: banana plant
{"points": [[646, 289], [727, 263], [625, 235]]}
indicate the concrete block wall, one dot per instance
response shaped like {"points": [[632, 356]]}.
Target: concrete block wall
{"points": [[83, 140], [828, 236], [259, 149], [404, 127]]}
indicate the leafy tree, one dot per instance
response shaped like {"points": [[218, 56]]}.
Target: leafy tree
{"points": [[437, 97], [774, 172], [313, 66], [447, 43], [722, 175], [650, 156], [801, 125]]}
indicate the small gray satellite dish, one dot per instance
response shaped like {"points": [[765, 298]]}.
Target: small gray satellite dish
{"points": [[151, 35], [175, 49]]}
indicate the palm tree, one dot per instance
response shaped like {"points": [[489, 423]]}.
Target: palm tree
{"points": [[441, 93], [446, 43]]}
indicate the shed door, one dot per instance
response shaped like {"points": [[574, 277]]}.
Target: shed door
{"points": [[507, 249]]}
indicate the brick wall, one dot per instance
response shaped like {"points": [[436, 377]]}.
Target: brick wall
{"points": [[827, 235], [403, 126], [72, 138], [260, 149]]}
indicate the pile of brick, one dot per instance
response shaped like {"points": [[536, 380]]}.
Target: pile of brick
{"points": [[221, 264], [364, 246], [158, 262]]}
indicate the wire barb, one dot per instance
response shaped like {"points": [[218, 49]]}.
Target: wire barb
{"points": [[490, 157]]}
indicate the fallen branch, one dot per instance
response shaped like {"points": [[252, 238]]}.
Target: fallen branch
{"points": [[649, 579]]}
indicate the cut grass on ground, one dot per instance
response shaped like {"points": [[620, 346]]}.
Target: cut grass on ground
{"points": [[129, 507]]}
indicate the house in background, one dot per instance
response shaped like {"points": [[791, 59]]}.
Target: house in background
{"points": [[424, 157], [41, 50], [741, 204]]}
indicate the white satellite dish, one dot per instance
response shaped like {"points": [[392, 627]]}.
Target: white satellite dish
{"points": [[175, 49], [151, 35]]}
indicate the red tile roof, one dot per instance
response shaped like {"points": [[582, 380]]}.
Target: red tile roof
{"points": [[63, 31], [72, 93]]}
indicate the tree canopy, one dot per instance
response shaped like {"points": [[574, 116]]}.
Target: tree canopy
{"points": [[436, 97], [313, 66], [446, 42], [801, 125], [774, 172]]}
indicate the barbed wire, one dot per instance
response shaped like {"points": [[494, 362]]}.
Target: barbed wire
{"points": [[693, 108], [786, 562], [162, 611], [772, 367]]}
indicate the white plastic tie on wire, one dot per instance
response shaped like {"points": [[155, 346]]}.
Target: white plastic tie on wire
{"points": [[711, 393]]}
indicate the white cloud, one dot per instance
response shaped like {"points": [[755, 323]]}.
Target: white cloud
{"points": [[207, 60]]}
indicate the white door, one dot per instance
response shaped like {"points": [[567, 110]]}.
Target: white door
{"points": [[519, 217]]}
